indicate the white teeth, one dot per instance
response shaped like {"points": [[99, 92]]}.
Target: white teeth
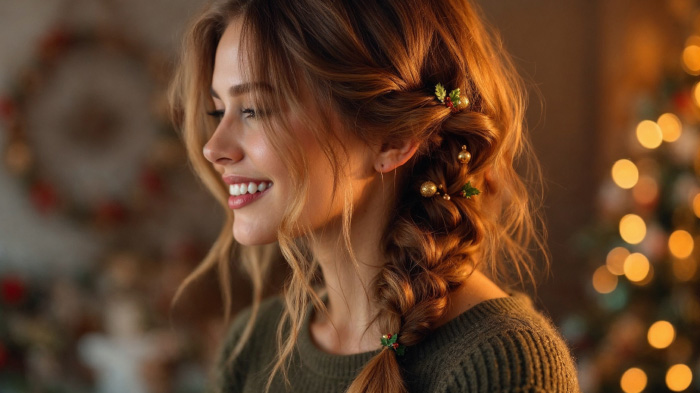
{"points": [[248, 188]]}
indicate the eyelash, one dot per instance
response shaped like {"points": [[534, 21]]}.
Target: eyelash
{"points": [[218, 114]]}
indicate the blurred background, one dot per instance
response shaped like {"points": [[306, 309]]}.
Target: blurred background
{"points": [[101, 217]]}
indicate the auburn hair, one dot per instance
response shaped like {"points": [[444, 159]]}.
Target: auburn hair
{"points": [[374, 65]]}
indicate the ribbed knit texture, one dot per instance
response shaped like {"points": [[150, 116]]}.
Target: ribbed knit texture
{"points": [[500, 345]]}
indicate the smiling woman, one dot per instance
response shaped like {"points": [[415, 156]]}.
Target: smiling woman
{"points": [[373, 143]]}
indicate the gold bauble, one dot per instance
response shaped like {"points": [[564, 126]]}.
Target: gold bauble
{"points": [[463, 103], [428, 189], [464, 156]]}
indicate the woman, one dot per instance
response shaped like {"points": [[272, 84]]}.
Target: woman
{"points": [[373, 143]]}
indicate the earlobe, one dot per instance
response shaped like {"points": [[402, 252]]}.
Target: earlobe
{"points": [[390, 158]]}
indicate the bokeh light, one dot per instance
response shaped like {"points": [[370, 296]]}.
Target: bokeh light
{"points": [[625, 174], [679, 377], [681, 244], [696, 205], [684, 269], [615, 261], [637, 267], [632, 229], [633, 380], [691, 59], [671, 127], [604, 281], [696, 94], [661, 334], [649, 134], [646, 191]]}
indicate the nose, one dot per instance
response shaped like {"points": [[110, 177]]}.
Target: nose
{"points": [[223, 147]]}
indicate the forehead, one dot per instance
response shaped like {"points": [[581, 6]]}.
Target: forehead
{"points": [[229, 61]]}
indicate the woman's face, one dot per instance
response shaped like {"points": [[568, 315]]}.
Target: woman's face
{"points": [[258, 181]]}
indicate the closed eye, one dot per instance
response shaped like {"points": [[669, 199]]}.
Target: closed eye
{"points": [[249, 112], [217, 114]]}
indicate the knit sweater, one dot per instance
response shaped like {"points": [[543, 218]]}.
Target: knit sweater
{"points": [[499, 345]]}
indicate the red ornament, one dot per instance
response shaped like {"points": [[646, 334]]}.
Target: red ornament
{"points": [[12, 290], [44, 197], [54, 43], [7, 108]]}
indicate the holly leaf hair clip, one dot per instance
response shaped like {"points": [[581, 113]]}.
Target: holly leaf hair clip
{"points": [[440, 92], [469, 191], [389, 341], [454, 101]]}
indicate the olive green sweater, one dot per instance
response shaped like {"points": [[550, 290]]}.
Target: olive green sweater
{"points": [[500, 345]]}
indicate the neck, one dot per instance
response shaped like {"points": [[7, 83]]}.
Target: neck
{"points": [[348, 275]]}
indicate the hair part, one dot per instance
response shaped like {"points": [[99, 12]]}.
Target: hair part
{"points": [[375, 65]]}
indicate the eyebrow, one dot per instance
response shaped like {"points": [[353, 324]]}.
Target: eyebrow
{"points": [[236, 90]]}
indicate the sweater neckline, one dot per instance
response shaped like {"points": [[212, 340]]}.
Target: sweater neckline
{"points": [[347, 366]]}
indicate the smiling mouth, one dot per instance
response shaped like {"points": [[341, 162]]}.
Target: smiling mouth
{"points": [[248, 188]]}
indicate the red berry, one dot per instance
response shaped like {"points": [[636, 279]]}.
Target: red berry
{"points": [[395, 345], [388, 336]]}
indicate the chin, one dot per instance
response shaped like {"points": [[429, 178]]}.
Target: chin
{"points": [[246, 237]]}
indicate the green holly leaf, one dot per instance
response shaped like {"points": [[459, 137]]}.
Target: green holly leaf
{"points": [[392, 339], [468, 191], [440, 92], [384, 342], [454, 96], [400, 350]]}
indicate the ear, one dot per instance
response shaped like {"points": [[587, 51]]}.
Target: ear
{"points": [[389, 158]]}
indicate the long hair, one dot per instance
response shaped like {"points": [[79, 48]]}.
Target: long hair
{"points": [[374, 65]]}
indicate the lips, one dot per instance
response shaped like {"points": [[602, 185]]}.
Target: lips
{"points": [[245, 190]]}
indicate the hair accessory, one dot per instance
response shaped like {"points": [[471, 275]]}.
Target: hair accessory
{"points": [[453, 100], [389, 341], [464, 156], [428, 189]]}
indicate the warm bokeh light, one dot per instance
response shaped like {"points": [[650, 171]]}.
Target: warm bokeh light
{"points": [[696, 205], [615, 261], [671, 127], [646, 191], [691, 59], [681, 244], [632, 229], [636, 267], [661, 334], [679, 377], [649, 134], [625, 174], [684, 269], [696, 94], [633, 380], [604, 281]]}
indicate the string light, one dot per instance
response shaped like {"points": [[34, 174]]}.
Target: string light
{"points": [[632, 229], [671, 127], [637, 267], [646, 191], [696, 94], [661, 334], [679, 377], [696, 205], [649, 134], [625, 174], [684, 269], [691, 55], [604, 281], [633, 380], [615, 261], [681, 244]]}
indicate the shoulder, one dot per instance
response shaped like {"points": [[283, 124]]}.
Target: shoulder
{"points": [[501, 345]]}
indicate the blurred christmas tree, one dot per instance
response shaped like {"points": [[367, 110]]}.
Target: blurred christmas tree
{"points": [[642, 331]]}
